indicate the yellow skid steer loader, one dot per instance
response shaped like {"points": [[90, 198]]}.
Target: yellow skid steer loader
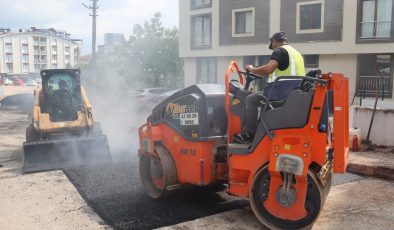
{"points": [[62, 133]]}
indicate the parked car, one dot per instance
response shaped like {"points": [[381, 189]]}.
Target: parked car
{"points": [[7, 81], [31, 82], [18, 82], [148, 98], [164, 96], [38, 80]]}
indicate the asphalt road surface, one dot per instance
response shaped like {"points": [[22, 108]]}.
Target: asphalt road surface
{"points": [[115, 192]]}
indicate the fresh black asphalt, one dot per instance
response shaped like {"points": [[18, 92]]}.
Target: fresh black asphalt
{"points": [[115, 192]]}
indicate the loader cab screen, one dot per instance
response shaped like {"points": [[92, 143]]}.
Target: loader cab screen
{"points": [[63, 95]]}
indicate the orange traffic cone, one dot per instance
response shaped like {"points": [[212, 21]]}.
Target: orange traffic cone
{"points": [[355, 147]]}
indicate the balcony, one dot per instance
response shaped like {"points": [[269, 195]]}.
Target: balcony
{"points": [[370, 86], [54, 61]]}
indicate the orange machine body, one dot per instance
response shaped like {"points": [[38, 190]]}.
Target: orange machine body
{"points": [[195, 160]]}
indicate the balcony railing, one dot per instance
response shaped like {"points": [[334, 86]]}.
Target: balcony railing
{"points": [[376, 29], [201, 40], [370, 86]]}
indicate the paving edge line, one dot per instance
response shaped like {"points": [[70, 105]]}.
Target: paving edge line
{"points": [[369, 170]]}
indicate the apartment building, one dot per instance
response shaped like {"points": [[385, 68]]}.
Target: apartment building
{"points": [[29, 51], [354, 37]]}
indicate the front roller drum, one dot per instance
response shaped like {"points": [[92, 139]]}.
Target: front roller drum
{"points": [[315, 198], [158, 172]]}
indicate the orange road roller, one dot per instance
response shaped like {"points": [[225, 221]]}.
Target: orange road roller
{"points": [[285, 172]]}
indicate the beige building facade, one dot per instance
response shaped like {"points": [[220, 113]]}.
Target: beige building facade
{"points": [[353, 37], [29, 51]]}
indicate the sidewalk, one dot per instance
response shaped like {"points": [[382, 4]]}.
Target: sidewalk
{"points": [[377, 163]]}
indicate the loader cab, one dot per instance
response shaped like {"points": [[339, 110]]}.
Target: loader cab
{"points": [[61, 94]]}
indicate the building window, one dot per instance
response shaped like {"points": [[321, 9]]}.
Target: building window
{"points": [[206, 70], [25, 49], [9, 67], [44, 58], [66, 59], [25, 58], [8, 58], [310, 17], [243, 22], [376, 18], [25, 67], [54, 59], [8, 48], [37, 67], [311, 61], [43, 48], [201, 32], [375, 75], [7, 40], [197, 4], [25, 40]]}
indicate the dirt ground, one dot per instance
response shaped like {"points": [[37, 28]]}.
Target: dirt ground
{"points": [[349, 206], [35, 201]]}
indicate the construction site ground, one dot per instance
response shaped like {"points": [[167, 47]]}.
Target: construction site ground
{"points": [[110, 196]]}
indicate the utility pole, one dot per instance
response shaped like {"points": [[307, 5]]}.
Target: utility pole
{"points": [[94, 7]]}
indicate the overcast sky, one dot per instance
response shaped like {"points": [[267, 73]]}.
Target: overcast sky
{"points": [[116, 16]]}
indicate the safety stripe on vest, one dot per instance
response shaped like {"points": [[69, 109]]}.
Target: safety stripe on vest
{"points": [[292, 61]]}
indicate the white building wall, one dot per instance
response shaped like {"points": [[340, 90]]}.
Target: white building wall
{"points": [[190, 71], [17, 51], [382, 126], [343, 63]]}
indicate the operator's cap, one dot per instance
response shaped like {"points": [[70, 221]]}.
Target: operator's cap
{"points": [[279, 36]]}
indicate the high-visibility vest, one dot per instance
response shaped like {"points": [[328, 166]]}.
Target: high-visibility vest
{"points": [[296, 65]]}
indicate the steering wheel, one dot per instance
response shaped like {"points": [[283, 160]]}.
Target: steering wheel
{"points": [[249, 77]]}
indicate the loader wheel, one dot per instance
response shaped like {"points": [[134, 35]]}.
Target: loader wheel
{"points": [[157, 172], [315, 198]]}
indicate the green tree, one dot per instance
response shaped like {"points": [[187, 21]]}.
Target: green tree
{"points": [[149, 58], [156, 50]]}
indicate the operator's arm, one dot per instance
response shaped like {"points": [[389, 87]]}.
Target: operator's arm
{"points": [[265, 69]]}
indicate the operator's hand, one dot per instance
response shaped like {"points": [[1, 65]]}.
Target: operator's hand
{"points": [[249, 68]]}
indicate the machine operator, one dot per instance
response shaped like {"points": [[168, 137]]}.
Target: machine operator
{"points": [[284, 61]]}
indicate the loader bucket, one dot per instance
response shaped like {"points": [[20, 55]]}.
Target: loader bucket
{"points": [[46, 155]]}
